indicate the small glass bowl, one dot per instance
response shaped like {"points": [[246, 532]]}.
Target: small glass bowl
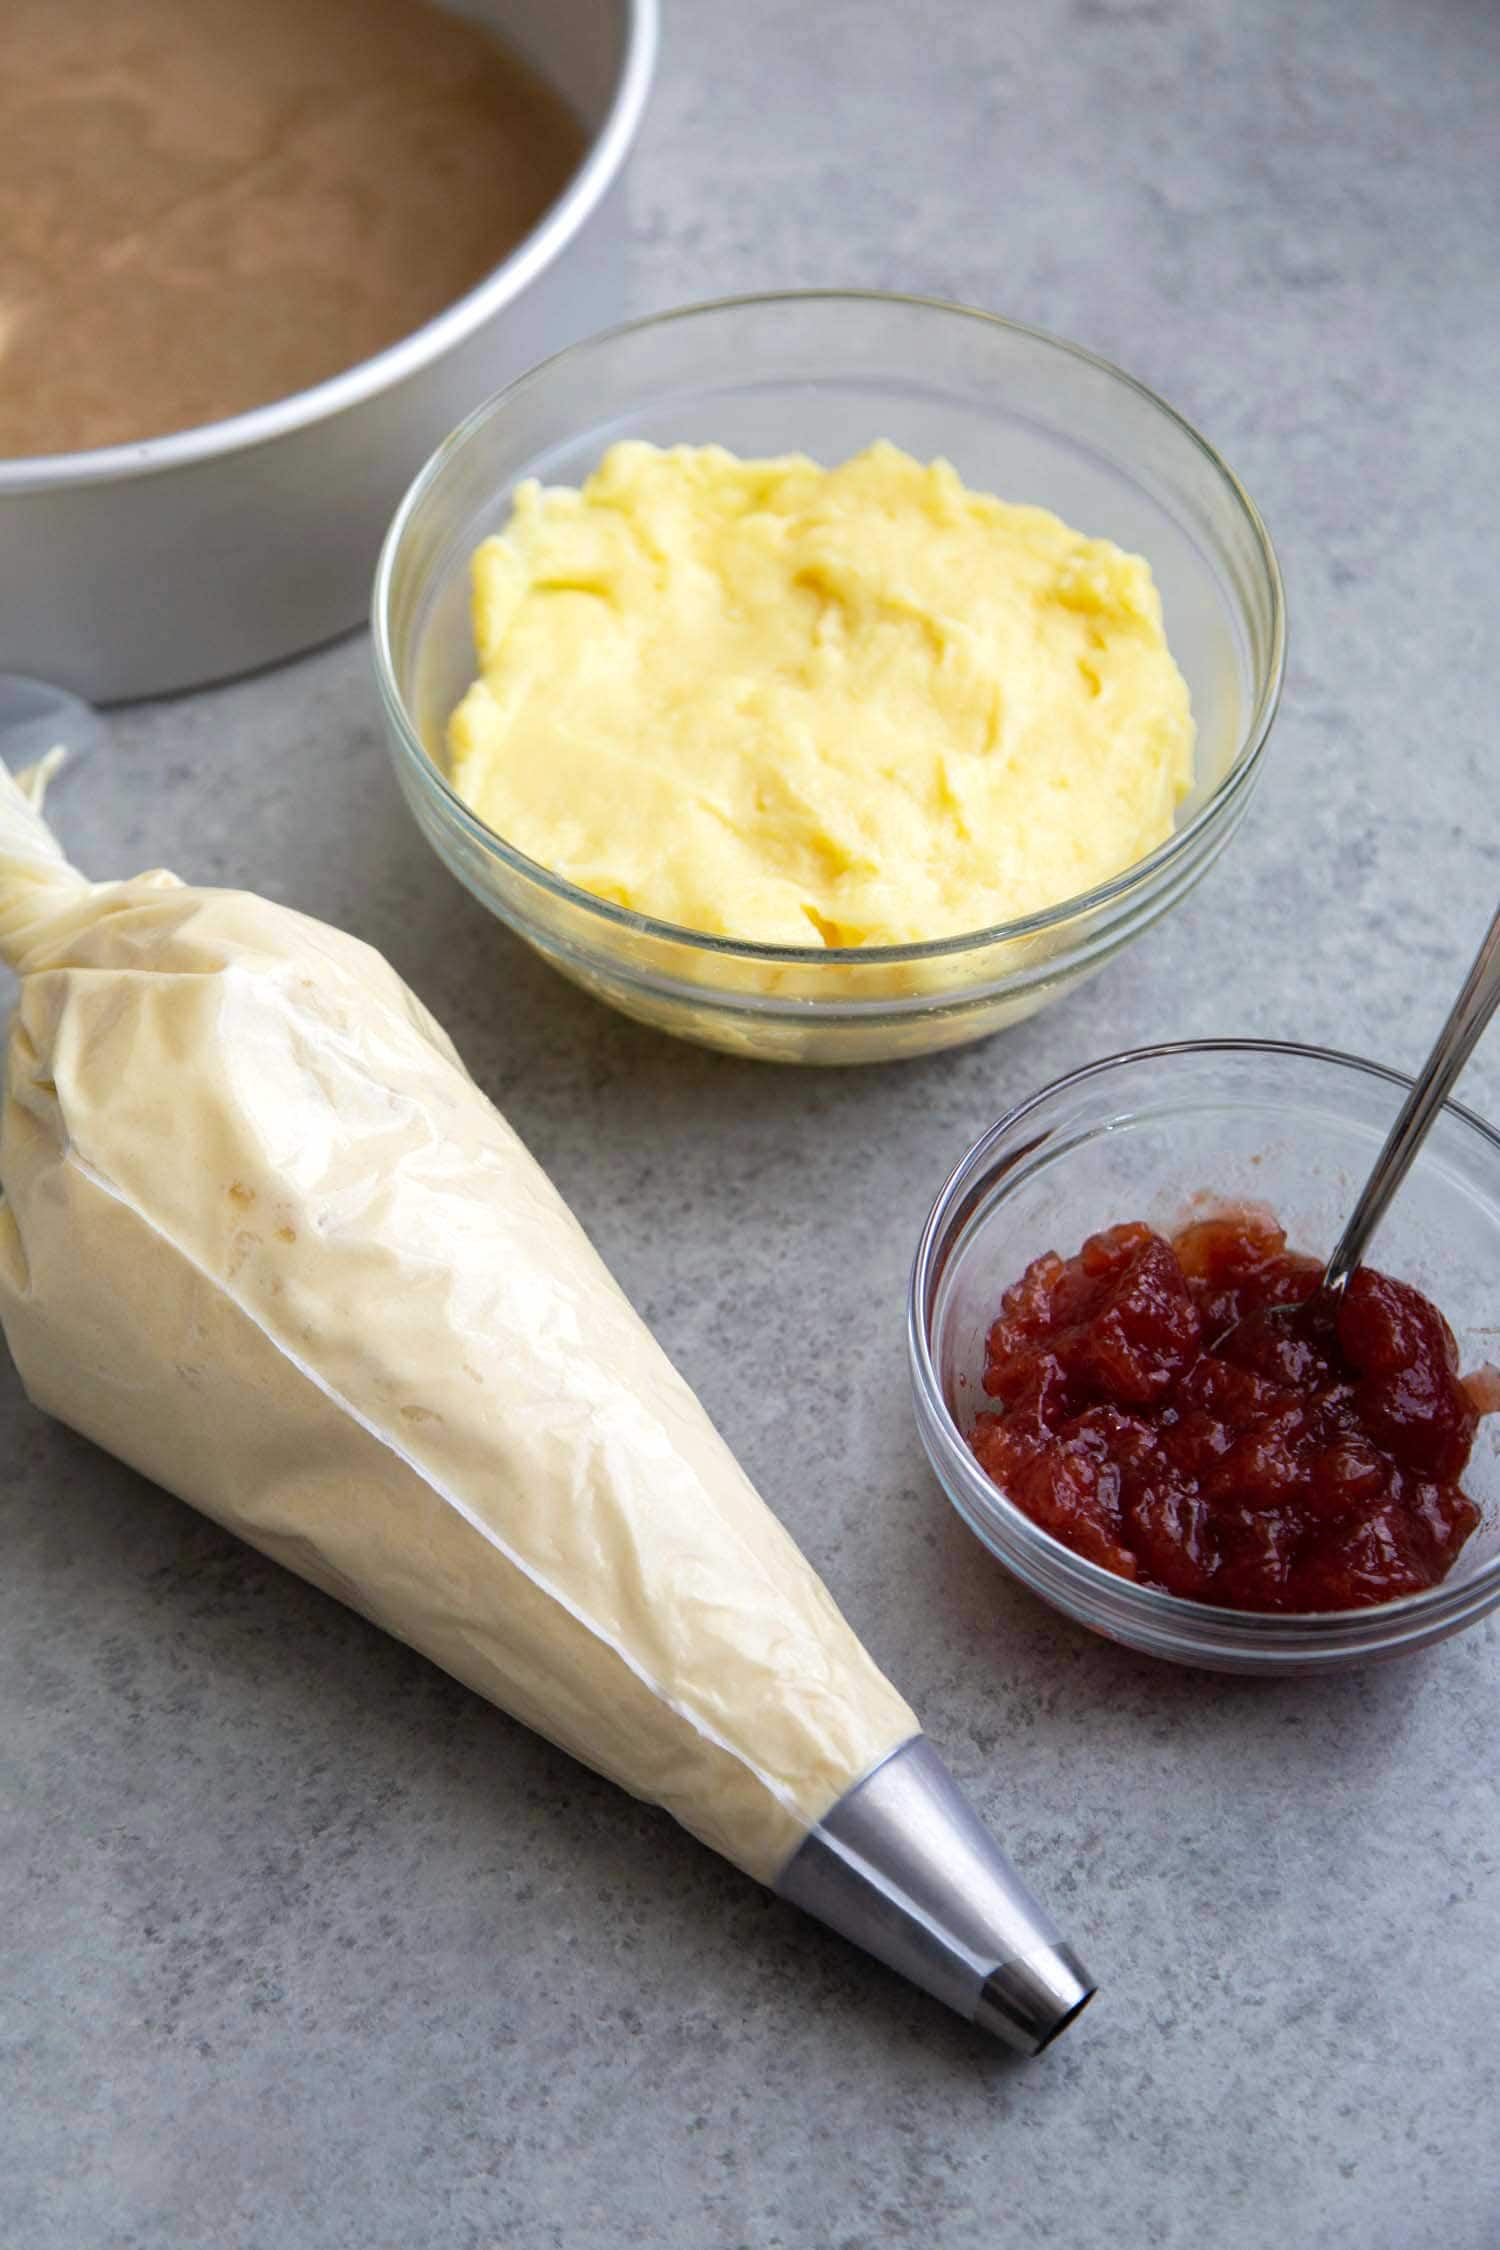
{"points": [[1161, 1134], [1017, 413]]}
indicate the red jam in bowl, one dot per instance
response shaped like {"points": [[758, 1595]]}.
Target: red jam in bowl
{"points": [[1191, 1415]]}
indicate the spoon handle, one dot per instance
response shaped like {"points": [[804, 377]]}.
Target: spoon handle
{"points": [[1456, 1041]]}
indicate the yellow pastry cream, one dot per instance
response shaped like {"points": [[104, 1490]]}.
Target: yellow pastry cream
{"points": [[808, 706]]}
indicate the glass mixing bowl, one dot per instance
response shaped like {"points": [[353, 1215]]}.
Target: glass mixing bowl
{"points": [[1156, 1134], [1017, 413]]}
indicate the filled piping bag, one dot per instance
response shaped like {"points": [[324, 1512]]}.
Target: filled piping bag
{"points": [[264, 1238]]}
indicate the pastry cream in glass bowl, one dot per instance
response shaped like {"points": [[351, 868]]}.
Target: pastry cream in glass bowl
{"points": [[849, 706], [829, 375]]}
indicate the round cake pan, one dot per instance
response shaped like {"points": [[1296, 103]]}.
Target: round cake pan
{"points": [[140, 569]]}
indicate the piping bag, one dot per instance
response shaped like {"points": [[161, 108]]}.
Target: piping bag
{"points": [[264, 1238]]}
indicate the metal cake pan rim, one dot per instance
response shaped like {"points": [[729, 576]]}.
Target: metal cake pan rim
{"points": [[50, 473]]}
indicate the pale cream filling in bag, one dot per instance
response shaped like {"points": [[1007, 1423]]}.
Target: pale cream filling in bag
{"points": [[263, 1238]]}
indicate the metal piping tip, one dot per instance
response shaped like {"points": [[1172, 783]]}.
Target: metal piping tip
{"points": [[903, 1866]]}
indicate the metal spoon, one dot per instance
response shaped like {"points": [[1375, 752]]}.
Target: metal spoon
{"points": [[1455, 1043]]}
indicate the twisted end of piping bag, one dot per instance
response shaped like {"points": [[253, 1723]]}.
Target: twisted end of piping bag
{"points": [[37, 884], [903, 1866]]}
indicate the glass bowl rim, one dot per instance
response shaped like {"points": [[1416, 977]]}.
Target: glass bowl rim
{"points": [[1197, 1622], [1178, 847]]}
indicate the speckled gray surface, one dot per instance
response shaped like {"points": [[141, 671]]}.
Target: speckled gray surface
{"points": [[306, 1948]]}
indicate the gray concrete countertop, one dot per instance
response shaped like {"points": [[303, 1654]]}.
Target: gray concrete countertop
{"points": [[305, 1947]]}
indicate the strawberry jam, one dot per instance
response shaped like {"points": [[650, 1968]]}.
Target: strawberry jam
{"points": [[1193, 1415]]}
